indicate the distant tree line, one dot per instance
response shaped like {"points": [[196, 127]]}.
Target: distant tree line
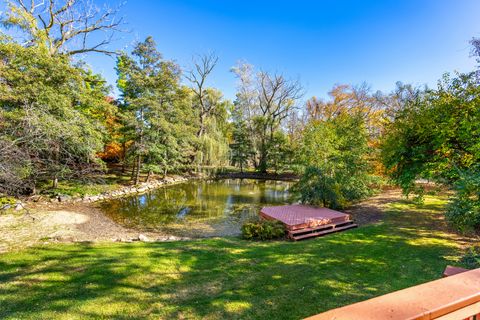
{"points": [[59, 122]]}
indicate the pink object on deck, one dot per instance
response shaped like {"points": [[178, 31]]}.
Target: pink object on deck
{"points": [[297, 216]]}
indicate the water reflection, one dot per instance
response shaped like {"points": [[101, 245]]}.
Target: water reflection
{"points": [[228, 201]]}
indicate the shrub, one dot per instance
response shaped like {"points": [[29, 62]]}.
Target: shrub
{"points": [[6, 202], [263, 230], [471, 259], [463, 212]]}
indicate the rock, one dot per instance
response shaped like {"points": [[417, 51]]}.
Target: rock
{"points": [[65, 239], [64, 198], [36, 198], [18, 207], [93, 198], [5, 207], [143, 238]]}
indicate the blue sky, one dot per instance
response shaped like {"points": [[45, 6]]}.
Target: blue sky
{"points": [[320, 42]]}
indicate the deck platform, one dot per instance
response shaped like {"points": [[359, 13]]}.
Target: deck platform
{"points": [[304, 221]]}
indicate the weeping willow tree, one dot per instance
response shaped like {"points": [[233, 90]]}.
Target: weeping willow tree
{"points": [[212, 110], [212, 151], [213, 148]]}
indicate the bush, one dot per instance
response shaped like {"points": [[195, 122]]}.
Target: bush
{"points": [[463, 212], [263, 230], [6, 203], [320, 188], [471, 260]]}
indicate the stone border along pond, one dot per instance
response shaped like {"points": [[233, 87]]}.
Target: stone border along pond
{"points": [[127, 190], [18, 204]]}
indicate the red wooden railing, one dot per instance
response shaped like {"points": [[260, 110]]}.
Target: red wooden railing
{"points": [[453, 298]]}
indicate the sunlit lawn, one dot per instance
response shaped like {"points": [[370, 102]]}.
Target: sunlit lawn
{"points": [[227, 278]]}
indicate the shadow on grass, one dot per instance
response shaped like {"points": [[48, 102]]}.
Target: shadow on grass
{"points": [[217, 278]]}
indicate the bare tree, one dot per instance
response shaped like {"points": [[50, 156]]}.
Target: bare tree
{"points": [[63, 26], [277, 96], [264, 101], [246, 94], [475, 42], [203, 67]]}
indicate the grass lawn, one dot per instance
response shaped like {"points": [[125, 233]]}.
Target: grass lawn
{"points": [[95, 185], [228, 278]]}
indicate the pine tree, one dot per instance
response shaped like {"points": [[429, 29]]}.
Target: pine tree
{"points": [[157, 114], [241, 147]]}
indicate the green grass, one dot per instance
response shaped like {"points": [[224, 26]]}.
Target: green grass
{"points": [[93, 186], [228, 278]]}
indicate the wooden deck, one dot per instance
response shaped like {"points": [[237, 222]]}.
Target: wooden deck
{"points": [[304, 221]]}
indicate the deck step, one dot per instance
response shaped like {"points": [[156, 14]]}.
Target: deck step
{"points": [[324, 232], [321, 227]]}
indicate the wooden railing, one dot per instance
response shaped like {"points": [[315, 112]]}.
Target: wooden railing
{"points": [[471, 312], [452, 298]]}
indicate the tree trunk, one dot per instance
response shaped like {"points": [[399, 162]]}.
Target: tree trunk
{"points": [[56, 157], [148, 176], [137, 169], [202, 125], [55, 182], [123, 156], [262, 163], [263, 151], [140, 147], [133, 170]]}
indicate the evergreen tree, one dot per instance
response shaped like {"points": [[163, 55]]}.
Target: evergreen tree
{"points": [[157, 114], [241, 147]]}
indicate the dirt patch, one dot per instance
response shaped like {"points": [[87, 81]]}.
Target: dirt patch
{"points": [[372, 210], [64, 223]]}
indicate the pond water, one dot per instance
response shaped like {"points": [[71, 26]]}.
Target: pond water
{"points": [[198, 208]]}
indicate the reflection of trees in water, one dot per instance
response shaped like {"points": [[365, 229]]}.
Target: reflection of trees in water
{"points": [[198, 201]]}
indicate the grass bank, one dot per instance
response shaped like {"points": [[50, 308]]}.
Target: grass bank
{"points": [[229, 278]]}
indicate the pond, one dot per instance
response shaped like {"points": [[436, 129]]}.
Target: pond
{"points": [[199, 208]]}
